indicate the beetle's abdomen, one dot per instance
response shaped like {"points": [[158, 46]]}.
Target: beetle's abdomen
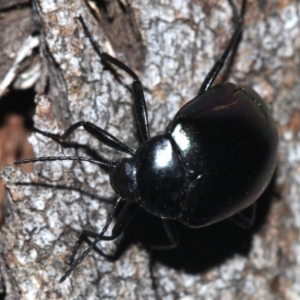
{"points": [[228, 141], [161, 178]]}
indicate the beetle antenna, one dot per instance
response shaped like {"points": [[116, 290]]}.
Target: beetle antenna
{"points": [[88, 250], [55, 158]]}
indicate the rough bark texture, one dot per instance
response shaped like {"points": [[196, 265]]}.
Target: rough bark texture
{"points": [[171, 45]]}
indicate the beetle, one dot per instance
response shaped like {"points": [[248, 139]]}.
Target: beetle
{"points": [[215, 158]]}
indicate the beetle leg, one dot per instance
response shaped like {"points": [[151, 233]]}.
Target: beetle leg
{"points": [[138, 93], [213, 73], [98, 133], [172, 235], [246, 217], [122, 221], [84, 237], [75, 145], [94, 243], [101, 135]]}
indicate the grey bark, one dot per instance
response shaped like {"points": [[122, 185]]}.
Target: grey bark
{"points": [[175, 44]]}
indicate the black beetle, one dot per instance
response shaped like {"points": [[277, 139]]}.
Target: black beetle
{"points": [[215, 158]]}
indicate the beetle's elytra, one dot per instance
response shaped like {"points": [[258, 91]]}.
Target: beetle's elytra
{"points": [[215, 159]]}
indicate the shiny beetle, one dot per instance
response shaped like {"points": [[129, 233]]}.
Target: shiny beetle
{"points": [[215, 158]]}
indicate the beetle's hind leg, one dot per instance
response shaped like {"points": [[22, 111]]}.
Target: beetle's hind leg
{"points": [[245, 219], [172, 234]]}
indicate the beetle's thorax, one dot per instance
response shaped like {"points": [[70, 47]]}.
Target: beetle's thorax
{"points": [[155, 177]]}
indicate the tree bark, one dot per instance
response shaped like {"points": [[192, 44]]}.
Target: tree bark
{"points": [[171, 46]]}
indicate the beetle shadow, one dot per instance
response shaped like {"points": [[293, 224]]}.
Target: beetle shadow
{"points": [[199, 249]]}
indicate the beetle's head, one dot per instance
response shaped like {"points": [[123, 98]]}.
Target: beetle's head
{"points": [[123, 178]]}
